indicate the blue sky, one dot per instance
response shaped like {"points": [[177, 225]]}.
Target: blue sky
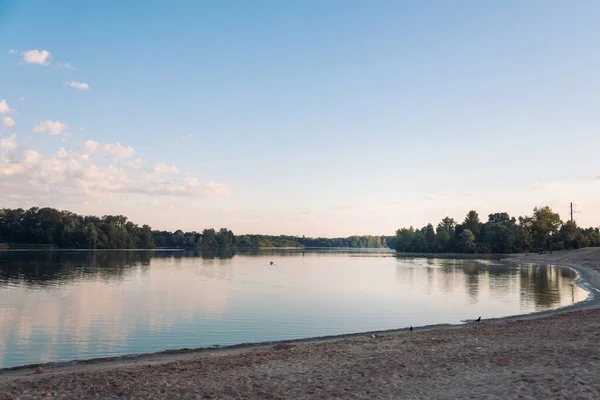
{"points": [[314, 117]]}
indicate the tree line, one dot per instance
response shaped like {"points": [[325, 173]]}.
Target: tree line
{"points": [[52, 228], [501, 233], [225, 239], [542, 231], [49, 227]]}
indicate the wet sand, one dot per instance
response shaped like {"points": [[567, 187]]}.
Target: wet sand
{"points": [[547, 355]]}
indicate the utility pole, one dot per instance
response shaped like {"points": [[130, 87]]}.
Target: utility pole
{"points": [[572, 212]]}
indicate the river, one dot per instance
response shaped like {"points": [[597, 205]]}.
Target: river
{"points": [[65, 305]]}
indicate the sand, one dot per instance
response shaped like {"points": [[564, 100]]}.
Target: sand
{"points": [[550, 356]]}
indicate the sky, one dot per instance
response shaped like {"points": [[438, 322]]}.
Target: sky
{"points": [[316, 118]]}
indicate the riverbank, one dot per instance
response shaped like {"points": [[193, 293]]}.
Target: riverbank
{"points": [[551, 357]]}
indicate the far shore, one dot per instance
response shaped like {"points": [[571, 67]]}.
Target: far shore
{"points": [[541, 354]]}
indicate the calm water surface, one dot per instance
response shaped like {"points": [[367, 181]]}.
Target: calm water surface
{"points": [[58, 306]]}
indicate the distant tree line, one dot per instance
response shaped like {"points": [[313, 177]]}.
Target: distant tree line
{"points": [[365, 241], [542, 231], [64, 229], [48, 227], [225, 239]]}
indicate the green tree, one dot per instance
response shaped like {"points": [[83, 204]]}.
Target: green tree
{"points": [[146, 240], [209, 239], [430, 239], [499, 218], [540, 227], [225, 238], [472, 223], [91, 234], [405, 239], [445, 232], [443, 240], [594, 238], [467, 241], [572, 237], [497, 238]]}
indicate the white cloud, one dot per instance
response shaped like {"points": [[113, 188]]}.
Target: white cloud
{"points": [[190, 187], [4, 108], [89, 147], [22, 98], [78, 85], [52, 127], [30, 157], [12, 52], [10, 170], [134, 164], [9, 143], [66, 65], [8, 122], [72, 176], [117, 151], [161, 168], [36, 57]]}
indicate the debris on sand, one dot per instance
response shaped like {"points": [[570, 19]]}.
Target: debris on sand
{"points": [[284, 346]]}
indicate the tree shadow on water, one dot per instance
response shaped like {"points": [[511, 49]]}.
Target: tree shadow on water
{"points": [[54, 268]]}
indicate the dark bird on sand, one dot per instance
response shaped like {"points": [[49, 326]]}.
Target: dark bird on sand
{"points": [[478, 319], [410, 329]]}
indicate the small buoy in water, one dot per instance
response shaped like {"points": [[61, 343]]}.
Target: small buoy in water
{"points": [[271, 262]]}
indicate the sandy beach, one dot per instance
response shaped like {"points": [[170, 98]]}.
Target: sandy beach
{"points": [[548, 355]]}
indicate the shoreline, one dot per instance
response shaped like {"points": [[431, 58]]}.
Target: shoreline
{"points": [[589, 278]]}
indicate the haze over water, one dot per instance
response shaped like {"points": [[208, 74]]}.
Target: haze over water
{"points": [[73, 305]]}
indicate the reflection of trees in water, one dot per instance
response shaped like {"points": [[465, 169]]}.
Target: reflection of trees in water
{"points": [[542, 285], [431, 262], [503, 270], [448, 274], [431, 272], [499, 278], [567, 273], [216, 269], [404, 274], [57, 267], [41, 268], [503, 278], [471, 271], [60, 267]]}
